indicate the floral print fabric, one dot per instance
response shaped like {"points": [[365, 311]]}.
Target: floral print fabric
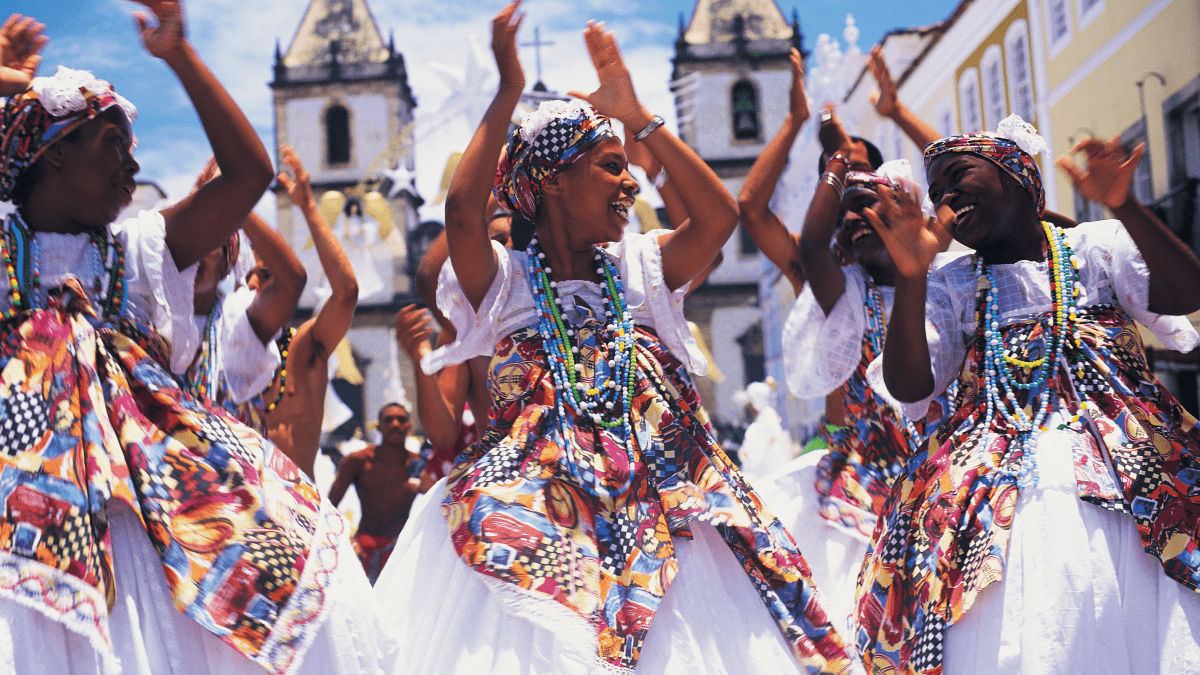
{"points": [[944, 533], [545, 513], [89, 413]]}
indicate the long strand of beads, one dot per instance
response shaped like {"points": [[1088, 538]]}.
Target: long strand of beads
{"points": [[23, 265], [598, 403], [285, 343], [1000, 383], [14, 284], [877, 334]]}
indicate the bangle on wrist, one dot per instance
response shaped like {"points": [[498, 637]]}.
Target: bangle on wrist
{"points": [[837, 157], [655, 123], [835, 182]]}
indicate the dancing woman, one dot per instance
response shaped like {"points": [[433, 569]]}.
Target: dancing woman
{"points": [[1027, 533], [563, 533], [144, 531]]}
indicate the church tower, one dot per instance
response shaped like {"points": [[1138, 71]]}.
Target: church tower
{"points": [[343, 102], [731, 80]]}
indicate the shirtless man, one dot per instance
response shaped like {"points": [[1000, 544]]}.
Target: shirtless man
{"points": [[380, 474], [294, 414]]}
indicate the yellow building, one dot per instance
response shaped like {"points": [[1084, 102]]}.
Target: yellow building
{"points": [[1074, 68]]}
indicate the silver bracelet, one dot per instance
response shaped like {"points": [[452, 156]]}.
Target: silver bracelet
{"points": [[655, 123], [835, 182]]}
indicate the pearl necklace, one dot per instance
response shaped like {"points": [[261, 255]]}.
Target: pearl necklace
{"points": [[18, 250], [575, 399], [1000, 384]]}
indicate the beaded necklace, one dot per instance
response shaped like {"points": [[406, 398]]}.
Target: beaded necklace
{"points": [[18, 250], [877, 333], [285, 342], [1000, 384], [597, 403], [201, 376]]}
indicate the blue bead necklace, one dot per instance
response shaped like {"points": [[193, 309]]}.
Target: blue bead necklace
{"points": [[877, 334], [1000, 384], [606, 403]]}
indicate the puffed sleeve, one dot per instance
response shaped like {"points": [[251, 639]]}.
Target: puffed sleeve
{"points": [[944, 307], [247, 365], [160, 293], [647, 296], [821, 352], [477, 331], [1108, 244]]}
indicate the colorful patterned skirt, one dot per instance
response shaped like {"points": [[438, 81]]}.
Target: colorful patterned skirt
{"points": [[574, 538], [89, 417], [944, 536]]}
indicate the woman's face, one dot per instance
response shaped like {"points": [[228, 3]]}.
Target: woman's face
{"points": [[597, 193], [97, 169], [979, 204], [856, 237]]}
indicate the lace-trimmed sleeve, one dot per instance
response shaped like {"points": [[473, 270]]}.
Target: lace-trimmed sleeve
{"points": [[648, 299], [949, 297], [159, 292], [821, 352], [477, 332], [247, 365], [1108, 245]]}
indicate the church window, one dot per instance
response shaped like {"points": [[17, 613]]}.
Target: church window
{"points": [[337, 135], [994, 107], [1020, 82], [745, 111], [968, 101], [1087, 10]]}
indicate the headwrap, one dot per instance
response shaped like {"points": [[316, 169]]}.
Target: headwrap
{"points": [[1011, 148], [548, 140], [46, 112]]}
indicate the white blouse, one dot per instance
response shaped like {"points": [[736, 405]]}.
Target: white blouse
{"points": [[247, 365], [159, 294], [1111, 271], [509, 304]]}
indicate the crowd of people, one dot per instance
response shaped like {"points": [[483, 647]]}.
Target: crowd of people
{"points": [[1000, 484]]}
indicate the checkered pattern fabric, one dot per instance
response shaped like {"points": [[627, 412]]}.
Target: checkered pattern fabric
{"points": [[24, 420]]}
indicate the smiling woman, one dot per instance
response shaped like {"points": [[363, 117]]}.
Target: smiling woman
{"points": [[598, 483], [162, 536]]}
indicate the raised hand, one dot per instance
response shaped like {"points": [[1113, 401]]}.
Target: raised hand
{"points": [[299, 189], [20, 41], [832, 134], [884, 100], [504, 45], [168, 38], [413, 328], [615, 97], [798, 102], [1109, 174], [912, 238]]}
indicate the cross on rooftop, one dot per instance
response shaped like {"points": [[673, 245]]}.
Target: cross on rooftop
{"points": [[537, 45]]}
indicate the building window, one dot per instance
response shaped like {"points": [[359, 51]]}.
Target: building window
{"points": [[968, 101], [745, 111], [994, 106], [945, 120], [1088, 10], [1143, 183], [1181, 204], [337, 135], [1058, 25], [746, 245], [1020, 79]]}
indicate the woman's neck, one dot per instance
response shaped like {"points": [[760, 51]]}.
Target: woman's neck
{"points": [[568, 260]]}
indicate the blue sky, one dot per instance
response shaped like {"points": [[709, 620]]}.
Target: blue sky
{"points": [[237, 39]]}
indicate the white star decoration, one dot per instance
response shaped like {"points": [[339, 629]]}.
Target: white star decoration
{"points": [[401, 177], [471, 90]]}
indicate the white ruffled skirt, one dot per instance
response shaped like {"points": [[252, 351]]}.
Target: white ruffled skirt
{"points": [[1079, 594], [834, 555], [451, 620], [151, 637]]}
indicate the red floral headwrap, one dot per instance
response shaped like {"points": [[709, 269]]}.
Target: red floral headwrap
{"points": [[46, 112]]}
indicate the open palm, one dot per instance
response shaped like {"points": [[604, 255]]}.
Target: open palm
{"points": [[20, 41]]}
